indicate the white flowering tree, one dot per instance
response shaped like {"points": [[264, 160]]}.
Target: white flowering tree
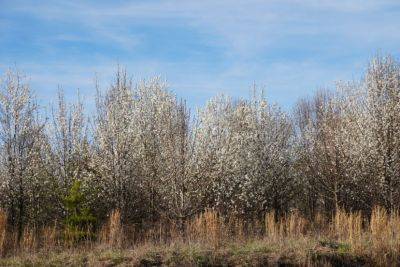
{"points": [[243, 151], [25, 184], [382, 83]]}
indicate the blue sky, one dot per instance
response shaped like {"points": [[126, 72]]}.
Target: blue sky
{"points": [[201, 48]]}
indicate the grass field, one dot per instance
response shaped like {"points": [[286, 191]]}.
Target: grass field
{"points": [[346, 239], [302, 251]]}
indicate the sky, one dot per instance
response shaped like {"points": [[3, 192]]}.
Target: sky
{"points": [[200, 47]]}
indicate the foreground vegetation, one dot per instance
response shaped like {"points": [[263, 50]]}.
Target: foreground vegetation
{"points": [[142, 171], [254, 253], [210, 239]]}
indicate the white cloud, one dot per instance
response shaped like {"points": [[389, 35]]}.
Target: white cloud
{"points": [[243, 27], [245, 30]]}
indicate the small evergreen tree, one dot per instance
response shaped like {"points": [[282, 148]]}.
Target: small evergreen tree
{"points": [[79, 221]]}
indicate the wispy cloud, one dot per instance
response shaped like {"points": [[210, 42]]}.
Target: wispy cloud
{"points": [[291, 46], [244, 26]]}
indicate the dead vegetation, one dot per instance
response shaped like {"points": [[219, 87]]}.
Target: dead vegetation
{"points": [[210, 239]]}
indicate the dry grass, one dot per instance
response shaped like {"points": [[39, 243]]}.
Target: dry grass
{"points": [[49, 237], [347, 227], [206, 227], [346, 237], [29, 242], [292, 225], [111, 233], [3, 225], [385, 234]]}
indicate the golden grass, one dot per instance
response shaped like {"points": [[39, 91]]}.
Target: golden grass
{"points": [[290, 225], [49, 237], [3, 225], [376, 237], [29, 240], [111, 233], [271, 227], [385, 234], [206, 227], [347, 226]]}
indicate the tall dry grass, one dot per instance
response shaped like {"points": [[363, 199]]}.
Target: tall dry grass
{"points": [[3, 225], [376, 236], [206, 227], [49, 236], [385, 233], [291, 225], [111, 233], [29, 241], [347, 227]]}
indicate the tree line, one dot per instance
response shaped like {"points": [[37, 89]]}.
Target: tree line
{"points": [[142, 152]]}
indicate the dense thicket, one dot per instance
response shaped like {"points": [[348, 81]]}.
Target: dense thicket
{"points": [[142, 152]]}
